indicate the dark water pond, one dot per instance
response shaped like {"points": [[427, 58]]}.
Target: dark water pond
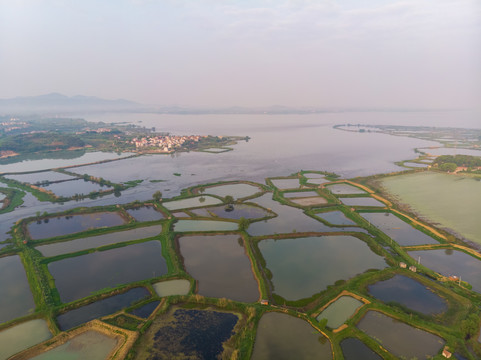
{"points": [[15, 296], [71, 224], [400, 339], [302, 267], [280, 336], [145, 213], [97, 241], [100, 308], [397, 229], [72, 187], [220, 265], [146, 310], [452, 262], [410, 293], [336, 218], [79, 276], [355, 349], [192, 334]]}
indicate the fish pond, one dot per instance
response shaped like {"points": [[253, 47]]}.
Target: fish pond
{"points": [[344, 189], [336, 218], [39, 177], [309, 201], [284, 184], [71, 224], [460, 199], [339, 311], [80, 276], [15, 296], [319, 262], [449, 262], [398, 338], [72, 187], [410, 293], [146, 310], [361, 201], [101, 308], [237, 191], [91, 345], [299, 194], [172, 287], [192, 202], [220, 265], [23, 336], [397, 229], [97, 241], [235, 212], [355, 349], [317, 181], [204, 225], [280, 336], [145, 213], [187, 333]]}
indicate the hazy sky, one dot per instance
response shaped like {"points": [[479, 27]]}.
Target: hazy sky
{"points": [[406, 53]]}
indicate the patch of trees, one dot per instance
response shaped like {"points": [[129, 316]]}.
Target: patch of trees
{"points": [[27, 143], [451, 162]]}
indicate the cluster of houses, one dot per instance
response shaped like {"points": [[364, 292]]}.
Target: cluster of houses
{"points": [[164, 143], [13, 124]]}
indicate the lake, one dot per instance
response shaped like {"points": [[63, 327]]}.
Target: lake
{"points": [[220, 265], [399, 338], [71, 224], [80, 276], [302, 267], [280, 336], [15, 296], [100, 240], [39, 177], [454, 209], [409, 293]]}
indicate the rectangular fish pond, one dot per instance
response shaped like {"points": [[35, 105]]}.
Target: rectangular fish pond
{"points": [[192, 202], [339, 311], [23, 336], [101, 308], [15, 296], [398, 338], [204, 225], [71, 224], [284, 337], [318, 262], [220, 265], [97, 241], [361, 201], [80, 276]]}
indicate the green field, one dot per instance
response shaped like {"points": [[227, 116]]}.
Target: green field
{"points": [[452, 201]]}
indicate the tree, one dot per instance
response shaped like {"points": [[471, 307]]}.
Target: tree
{"points": [[449, 167], [157, 196], [229, 199], [243, 223]]}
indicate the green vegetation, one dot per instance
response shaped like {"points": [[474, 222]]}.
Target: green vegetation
{"points": [[449, 163]]}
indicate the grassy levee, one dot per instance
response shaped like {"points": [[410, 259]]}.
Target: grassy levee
{"points": [[13, 199], [263, 290], [40, 195]]}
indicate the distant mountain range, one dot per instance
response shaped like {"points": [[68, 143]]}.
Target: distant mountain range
{"points": [[58, 104], [55, 103]]}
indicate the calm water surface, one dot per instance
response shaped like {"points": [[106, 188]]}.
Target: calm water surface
{"points": [[336, 218], [72, 224], [410, 293], [355, 349], [72, 187], [339, 311], [302, 267], [15, 296], [172, 287], [22, 336], [145, 213], [221, 266], [204, 225], [97, 241], [280, 336], [235, 190], [399, 338], [79, 276]]}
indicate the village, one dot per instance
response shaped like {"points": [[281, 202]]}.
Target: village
{"points": [[165, 143]]}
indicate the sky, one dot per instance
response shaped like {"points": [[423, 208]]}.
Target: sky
{"points": [[212, 53]]}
